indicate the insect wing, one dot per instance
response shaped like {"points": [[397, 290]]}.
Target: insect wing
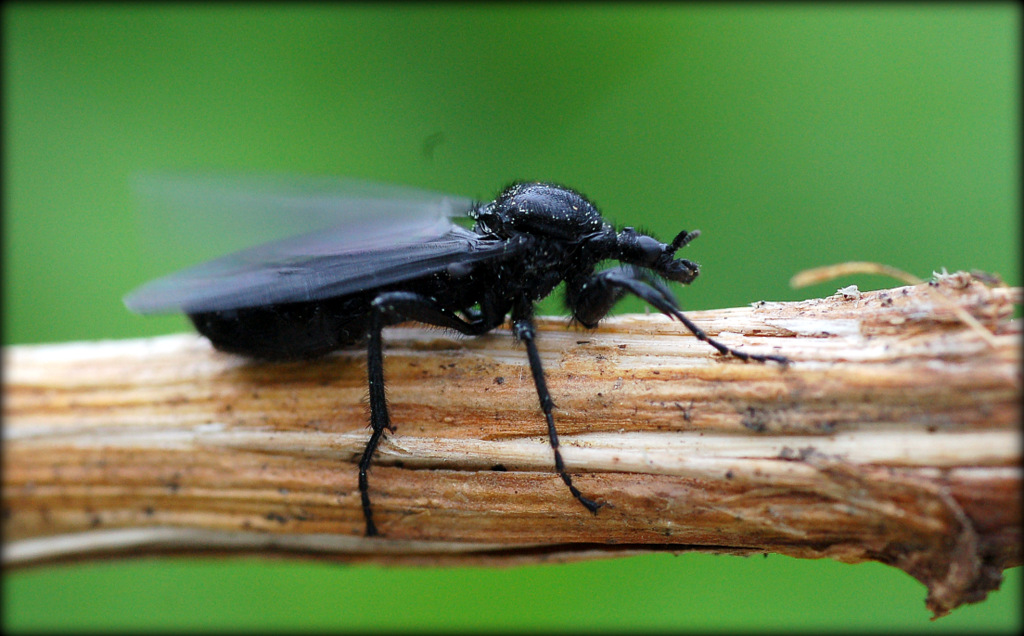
{"points": [[319, 265], [187, 219], [329, 219]]}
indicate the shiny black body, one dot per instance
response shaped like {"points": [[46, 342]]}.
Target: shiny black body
{"points": [[555, 234], [289, 331], [523, 244]]}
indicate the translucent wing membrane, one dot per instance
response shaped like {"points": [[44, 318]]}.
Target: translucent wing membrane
{"points": [[353, 236], [209, 216]]}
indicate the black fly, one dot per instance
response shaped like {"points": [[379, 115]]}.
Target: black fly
{"points": [[338, 287]]}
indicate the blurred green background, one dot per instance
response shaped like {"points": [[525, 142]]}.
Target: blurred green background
{"points": [[792, 136]]}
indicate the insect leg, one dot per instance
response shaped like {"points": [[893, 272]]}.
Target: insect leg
{"points": [[592, 299], [379, 419], [406, 306], [412, 306], [524, 330]]}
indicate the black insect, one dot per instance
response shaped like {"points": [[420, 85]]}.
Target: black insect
{"points": [[309, 295]]}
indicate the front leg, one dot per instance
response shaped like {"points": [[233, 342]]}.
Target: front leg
{"points": [[591, 299]]}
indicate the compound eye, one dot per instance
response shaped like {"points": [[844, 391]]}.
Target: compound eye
{"points": [[650, 249]]}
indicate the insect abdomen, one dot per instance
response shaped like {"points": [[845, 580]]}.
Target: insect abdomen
{"points": [[288, 331]]}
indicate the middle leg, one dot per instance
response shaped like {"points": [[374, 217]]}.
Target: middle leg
{"points": [[524, 331]]}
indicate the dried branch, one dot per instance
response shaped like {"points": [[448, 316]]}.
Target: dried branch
{"points": [[893, 436]]}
